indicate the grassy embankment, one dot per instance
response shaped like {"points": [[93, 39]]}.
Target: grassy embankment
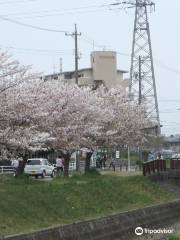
{"points": [[27, 205], [174, 238]]}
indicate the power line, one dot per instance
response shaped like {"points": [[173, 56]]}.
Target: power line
{"points": [[161, 64], [32, 26], [57, 10], [18, 1], [62, 11], [13, 2], [60, 14], [168, 112], [169, 100], [94, 43], [124, 54], [171, 123], [36, 50]]}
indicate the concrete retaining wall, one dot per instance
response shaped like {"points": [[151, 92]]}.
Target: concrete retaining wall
{"points": [[174, 174], [116, 227], [159, 176], [165, 175]]}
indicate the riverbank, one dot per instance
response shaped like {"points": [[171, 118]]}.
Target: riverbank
{"points": [[27, 205]]}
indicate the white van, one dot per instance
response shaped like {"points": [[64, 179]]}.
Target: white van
{"points": [[39, 167]]}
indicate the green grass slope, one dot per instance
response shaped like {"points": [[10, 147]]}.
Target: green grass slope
{"points": [[27, 205]]}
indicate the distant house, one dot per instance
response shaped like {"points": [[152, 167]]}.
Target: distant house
{"points": [[172, 142], [103, 70]]}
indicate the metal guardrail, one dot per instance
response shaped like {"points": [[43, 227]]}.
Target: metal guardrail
{"points": [[160, 165], [153, 166], [6, 169], [175, 163]]}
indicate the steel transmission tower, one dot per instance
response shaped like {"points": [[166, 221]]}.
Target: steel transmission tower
{"points": [[142, 86]]}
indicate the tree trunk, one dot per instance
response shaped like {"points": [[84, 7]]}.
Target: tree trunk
{"points": [[88, 161], [20, 169], [66, 164], [77, 162]]}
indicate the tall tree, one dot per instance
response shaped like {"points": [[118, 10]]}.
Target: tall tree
{"points": [[71, 115]]}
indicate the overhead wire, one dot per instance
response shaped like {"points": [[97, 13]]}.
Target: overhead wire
{"points": [[47, 52], [169, 100], [167, 67], [37, 50], [18, 1], [172, 123], [92, 42], [61, 14], [56, 10], [32, 26], [69, 11]]}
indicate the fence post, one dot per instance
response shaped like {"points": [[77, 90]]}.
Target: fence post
{"points": [[144, 169], [152, 167], [164, 165], [149, 168]]}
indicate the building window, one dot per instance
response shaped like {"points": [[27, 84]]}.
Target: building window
{"points": [[80, 75], [68, 76]]}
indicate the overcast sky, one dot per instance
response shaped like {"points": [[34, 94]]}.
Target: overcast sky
{"points": [[109, 28]]}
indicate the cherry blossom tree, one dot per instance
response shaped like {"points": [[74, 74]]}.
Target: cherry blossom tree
{"points": [[16, 85], [73, 116], [19, 119], [35, 114], [128, 122], [12, 72], [66, 118]]}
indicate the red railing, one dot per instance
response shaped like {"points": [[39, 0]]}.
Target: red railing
{"points": [[175, 163], [160, 165], [153, 166]]}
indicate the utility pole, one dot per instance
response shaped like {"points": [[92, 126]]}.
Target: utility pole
{"points": [[129, 159], [143, 88], [140, 82], [61, 65], [60, 68], [140, 101], [75, 35]]}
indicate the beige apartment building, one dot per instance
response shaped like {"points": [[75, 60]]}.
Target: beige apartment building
{"points": [[103, 71]]}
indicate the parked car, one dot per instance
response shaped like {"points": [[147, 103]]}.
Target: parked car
{"points": [[176, 156], [39, 167]]}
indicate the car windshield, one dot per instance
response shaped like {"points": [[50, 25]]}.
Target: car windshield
{"points": [[34, 162]]}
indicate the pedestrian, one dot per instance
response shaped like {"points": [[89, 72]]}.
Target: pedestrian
{"points": [[104, 161], [159, 156], [98, 165], [15, 165], [100, 162], [59, 165], [112, 164]]}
